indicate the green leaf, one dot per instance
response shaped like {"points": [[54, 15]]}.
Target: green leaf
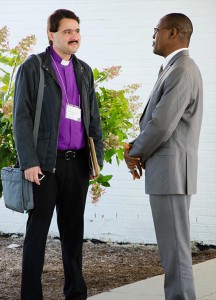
{"points": [[96, 74], [6, 79], [4, 88], [103, 179], [106, 184]]}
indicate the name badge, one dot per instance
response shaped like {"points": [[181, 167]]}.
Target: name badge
{"points": [[73, 113]]}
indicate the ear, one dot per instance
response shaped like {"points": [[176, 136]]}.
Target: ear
{"points": [[173, 32], [50, 35]]}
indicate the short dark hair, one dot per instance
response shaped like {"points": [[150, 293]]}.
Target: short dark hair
{"points": [[182, 23], [54, 19]]}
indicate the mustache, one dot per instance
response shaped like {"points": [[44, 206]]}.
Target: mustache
{"points": [[73, 41]]}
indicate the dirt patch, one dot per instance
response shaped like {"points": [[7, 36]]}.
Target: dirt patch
{"points": [[105, 265]]}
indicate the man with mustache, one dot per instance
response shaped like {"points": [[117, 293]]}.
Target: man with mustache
{"points": [[167, 148], [69, 116]]}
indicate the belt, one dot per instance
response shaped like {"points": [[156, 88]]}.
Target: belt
{"points": [[69, 154]]}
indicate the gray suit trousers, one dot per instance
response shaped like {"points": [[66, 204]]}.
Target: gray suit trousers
{"points": [[171, 221]]}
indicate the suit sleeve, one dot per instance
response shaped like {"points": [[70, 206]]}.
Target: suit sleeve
{"points": [[166, 115]]}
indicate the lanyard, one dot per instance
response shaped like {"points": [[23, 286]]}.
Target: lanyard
{"points": [[63, 82]]}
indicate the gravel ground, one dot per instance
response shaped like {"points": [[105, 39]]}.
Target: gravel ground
{"points": [[105, 265]]}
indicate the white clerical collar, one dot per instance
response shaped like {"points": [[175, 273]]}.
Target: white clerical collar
{"points": [[65, 62]]}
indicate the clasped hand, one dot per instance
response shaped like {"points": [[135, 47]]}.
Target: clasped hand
{"points": [[133, 163]]}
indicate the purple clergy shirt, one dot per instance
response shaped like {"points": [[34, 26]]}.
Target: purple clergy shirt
{"points": [[71, 133]]}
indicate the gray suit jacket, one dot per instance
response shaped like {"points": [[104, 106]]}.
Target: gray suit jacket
{"points": [[170, 129]]}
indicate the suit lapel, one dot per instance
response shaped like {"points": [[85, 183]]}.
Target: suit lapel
{"points": [[160, 76]]}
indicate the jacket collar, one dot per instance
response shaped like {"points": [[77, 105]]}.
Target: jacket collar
{"points": [[172, 60], [47, 64], [78, 70], [175, 57]]}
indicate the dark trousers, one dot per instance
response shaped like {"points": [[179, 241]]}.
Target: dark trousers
{"points": [[66, 190]]}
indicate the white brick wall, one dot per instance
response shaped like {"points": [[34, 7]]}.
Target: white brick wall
{"points": [[119, 32]]}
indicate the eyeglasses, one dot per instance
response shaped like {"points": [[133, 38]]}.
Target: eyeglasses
{"points": [[156, 29]]}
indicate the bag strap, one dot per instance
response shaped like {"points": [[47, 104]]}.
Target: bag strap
{"points": [[39, 102]]}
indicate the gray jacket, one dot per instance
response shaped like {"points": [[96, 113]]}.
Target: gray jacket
{"points": [[170, 129], [26, 88]]}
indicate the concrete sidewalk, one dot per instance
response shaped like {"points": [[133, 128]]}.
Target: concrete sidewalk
{"points": [[152, 288]]}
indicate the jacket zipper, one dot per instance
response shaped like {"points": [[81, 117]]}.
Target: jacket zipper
{"points": [[54, 169]]}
